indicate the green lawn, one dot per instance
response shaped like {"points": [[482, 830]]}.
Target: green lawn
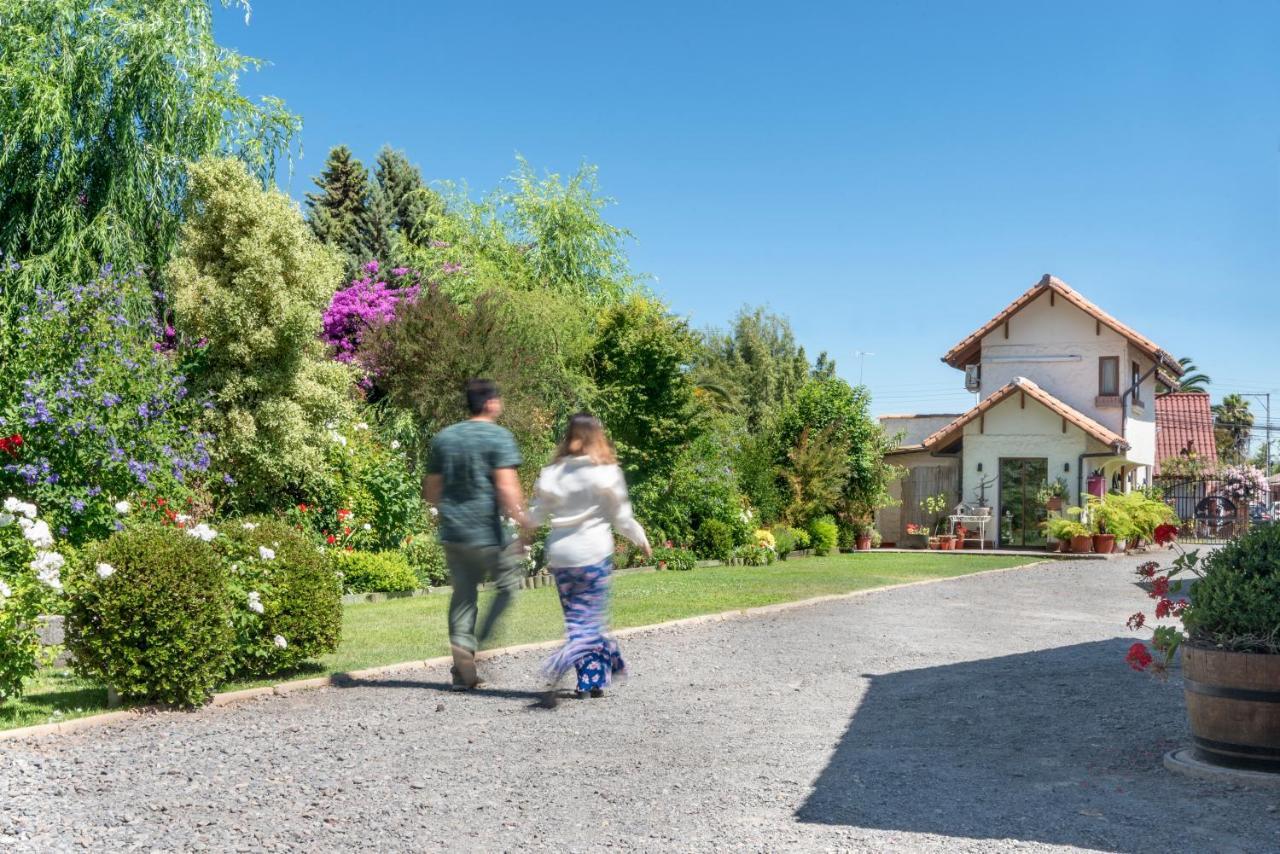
{"points": [[408, 629]]}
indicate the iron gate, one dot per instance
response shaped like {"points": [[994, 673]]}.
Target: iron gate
{"points": [[1212, 510]]}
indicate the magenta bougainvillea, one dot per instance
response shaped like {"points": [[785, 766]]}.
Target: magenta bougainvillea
{"points": [[366, 302]]}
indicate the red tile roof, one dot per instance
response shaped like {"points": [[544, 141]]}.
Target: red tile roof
{"points": [[949, 433], [1184, 422], [966, 352]]}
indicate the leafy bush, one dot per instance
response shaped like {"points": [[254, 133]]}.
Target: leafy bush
{"points": [[802, 538], [148, 615], [425, 557], [375, 572], [250, 279], [680, 560], [753, 555], [784, 539], [30, 572], [714, 540], [823, 534], [1237, 602], [98, 412], [286, 598]]}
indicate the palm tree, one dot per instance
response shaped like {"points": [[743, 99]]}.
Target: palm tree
{"points": [[1232, 424], [1192, 379]]}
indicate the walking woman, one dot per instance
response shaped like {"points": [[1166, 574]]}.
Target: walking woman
{"points": [[582, 495]]}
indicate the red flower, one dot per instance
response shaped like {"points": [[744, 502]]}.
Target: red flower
{"points": [[342, 514], [11, 444], [331, 539], [1159, 587], [1166, 534], [346, 532], [1148, 569], [1137, 621], [302, 508], [1139, 657], [159, 502], [1164, 608]]}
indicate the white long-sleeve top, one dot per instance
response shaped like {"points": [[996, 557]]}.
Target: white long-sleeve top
{"points": [[581, 501]]}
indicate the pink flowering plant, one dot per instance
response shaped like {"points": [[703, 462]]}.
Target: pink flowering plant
{"points": [[368, 301]]}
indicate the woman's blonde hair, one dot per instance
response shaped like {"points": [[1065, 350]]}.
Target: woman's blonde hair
{"points": [[585, 437]]}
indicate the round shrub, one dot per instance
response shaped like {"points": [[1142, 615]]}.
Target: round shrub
{"points": [[148, 615], [753, 555], [802, 538], [714, 540], [681, 560], [374, 572], [30, 578], [285, 596], [823, 535], [1237, 603], [425, 557]]}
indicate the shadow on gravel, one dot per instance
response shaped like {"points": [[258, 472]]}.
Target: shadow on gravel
{"points": [[1062, 746], [442, 687]]}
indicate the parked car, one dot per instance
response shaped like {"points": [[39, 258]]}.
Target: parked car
{"points": [[1260, 513]]}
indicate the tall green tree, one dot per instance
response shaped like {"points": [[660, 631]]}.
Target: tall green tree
{"points": [[639, 365], [105, 101], [816, 472], [416, 210], [251, 279], [1233, 424], [757, 363], [343, 214]]}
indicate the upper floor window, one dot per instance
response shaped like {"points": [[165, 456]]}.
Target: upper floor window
{"points": [[1135, 377], [1109, 376]]}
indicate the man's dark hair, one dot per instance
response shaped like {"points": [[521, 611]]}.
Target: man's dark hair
{"points": [[480, 392]]}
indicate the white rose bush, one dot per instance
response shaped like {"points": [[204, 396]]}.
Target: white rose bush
{"points": [[30, 578]]}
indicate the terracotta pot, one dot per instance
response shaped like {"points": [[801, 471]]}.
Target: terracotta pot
{"points": [[1104, 544], [1053, 504], [961, 533], [1082, 544], [864, 543], [934, 543], [946, 542], [1062, 546], [1234, 706]]}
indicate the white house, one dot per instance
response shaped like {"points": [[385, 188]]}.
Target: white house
{"points": [[1065, 391]]}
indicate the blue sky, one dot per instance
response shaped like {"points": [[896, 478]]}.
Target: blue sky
{"points": [[887, 175]]}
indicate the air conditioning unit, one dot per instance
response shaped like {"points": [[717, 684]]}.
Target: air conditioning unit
{"points": [[973, 378]]}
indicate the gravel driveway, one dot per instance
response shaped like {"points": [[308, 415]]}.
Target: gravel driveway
{"points": [[987, 713]]}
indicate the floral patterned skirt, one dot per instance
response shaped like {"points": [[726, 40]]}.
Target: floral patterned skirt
{"points": [[584, 596]]}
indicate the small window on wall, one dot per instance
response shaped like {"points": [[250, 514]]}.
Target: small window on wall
{"points": [[1109, 376], [1135, 374]]}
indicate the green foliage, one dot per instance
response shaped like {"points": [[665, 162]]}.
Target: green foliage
{"points": [[285, 596], [159, 626], [680, 560], [824, 535], [25, 591], [343, 216], [250, 279], [425, 556], [784, 538], [105, 102], [416, 210], [1236, 604], [375, 572], [1233, 424], [816, 471], [757, 367], [644, 393], [751, 554], [714, 540], [373, 481], [754, 459], [1063, 529]]}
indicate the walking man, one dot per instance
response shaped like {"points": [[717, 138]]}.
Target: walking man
{"points": [[471, 480]]}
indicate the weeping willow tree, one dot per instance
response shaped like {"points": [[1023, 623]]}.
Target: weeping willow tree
{"points": [[102, 105]]}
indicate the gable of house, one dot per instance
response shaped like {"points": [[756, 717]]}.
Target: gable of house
{"points": [[1184, 426]]}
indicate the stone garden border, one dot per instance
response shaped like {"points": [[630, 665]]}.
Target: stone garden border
{"points": [[339, 679]]}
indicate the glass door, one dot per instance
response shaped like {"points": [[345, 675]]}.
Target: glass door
{"points": [[1020, 512]]}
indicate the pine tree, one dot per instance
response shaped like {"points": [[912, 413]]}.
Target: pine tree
{"points": [[415, 209], [340, 213]]}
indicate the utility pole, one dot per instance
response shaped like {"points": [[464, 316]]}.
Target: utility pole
{"points": [[862, 355], [1266, 397]]}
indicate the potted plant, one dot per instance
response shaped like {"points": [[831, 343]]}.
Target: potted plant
{"points": [[862, 530], [946, 542], [935, 506], [1051, 495], [1062, 530], [960, 533], [1226, 629]]}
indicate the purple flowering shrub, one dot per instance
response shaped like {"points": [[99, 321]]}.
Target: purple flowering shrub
{"points": [[1244, 482], [365, 303], [103, 415]]}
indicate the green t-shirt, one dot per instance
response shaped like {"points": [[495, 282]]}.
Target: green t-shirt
{"points": [[465, 455]]}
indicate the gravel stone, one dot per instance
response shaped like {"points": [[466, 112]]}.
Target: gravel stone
{"points": [[990, 713]]}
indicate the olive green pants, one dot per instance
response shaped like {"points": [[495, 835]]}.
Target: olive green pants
{"points": [[469, 567]]}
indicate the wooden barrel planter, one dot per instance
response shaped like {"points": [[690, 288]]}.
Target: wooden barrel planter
{"points": [[1233, 702]]}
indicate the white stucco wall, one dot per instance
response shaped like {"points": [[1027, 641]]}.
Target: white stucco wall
{"points": [[1012, 431], [1059, 330], [915, 428], [1140, 423]]}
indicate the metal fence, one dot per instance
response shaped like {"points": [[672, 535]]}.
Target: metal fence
{"points": [[1213, 511]]}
